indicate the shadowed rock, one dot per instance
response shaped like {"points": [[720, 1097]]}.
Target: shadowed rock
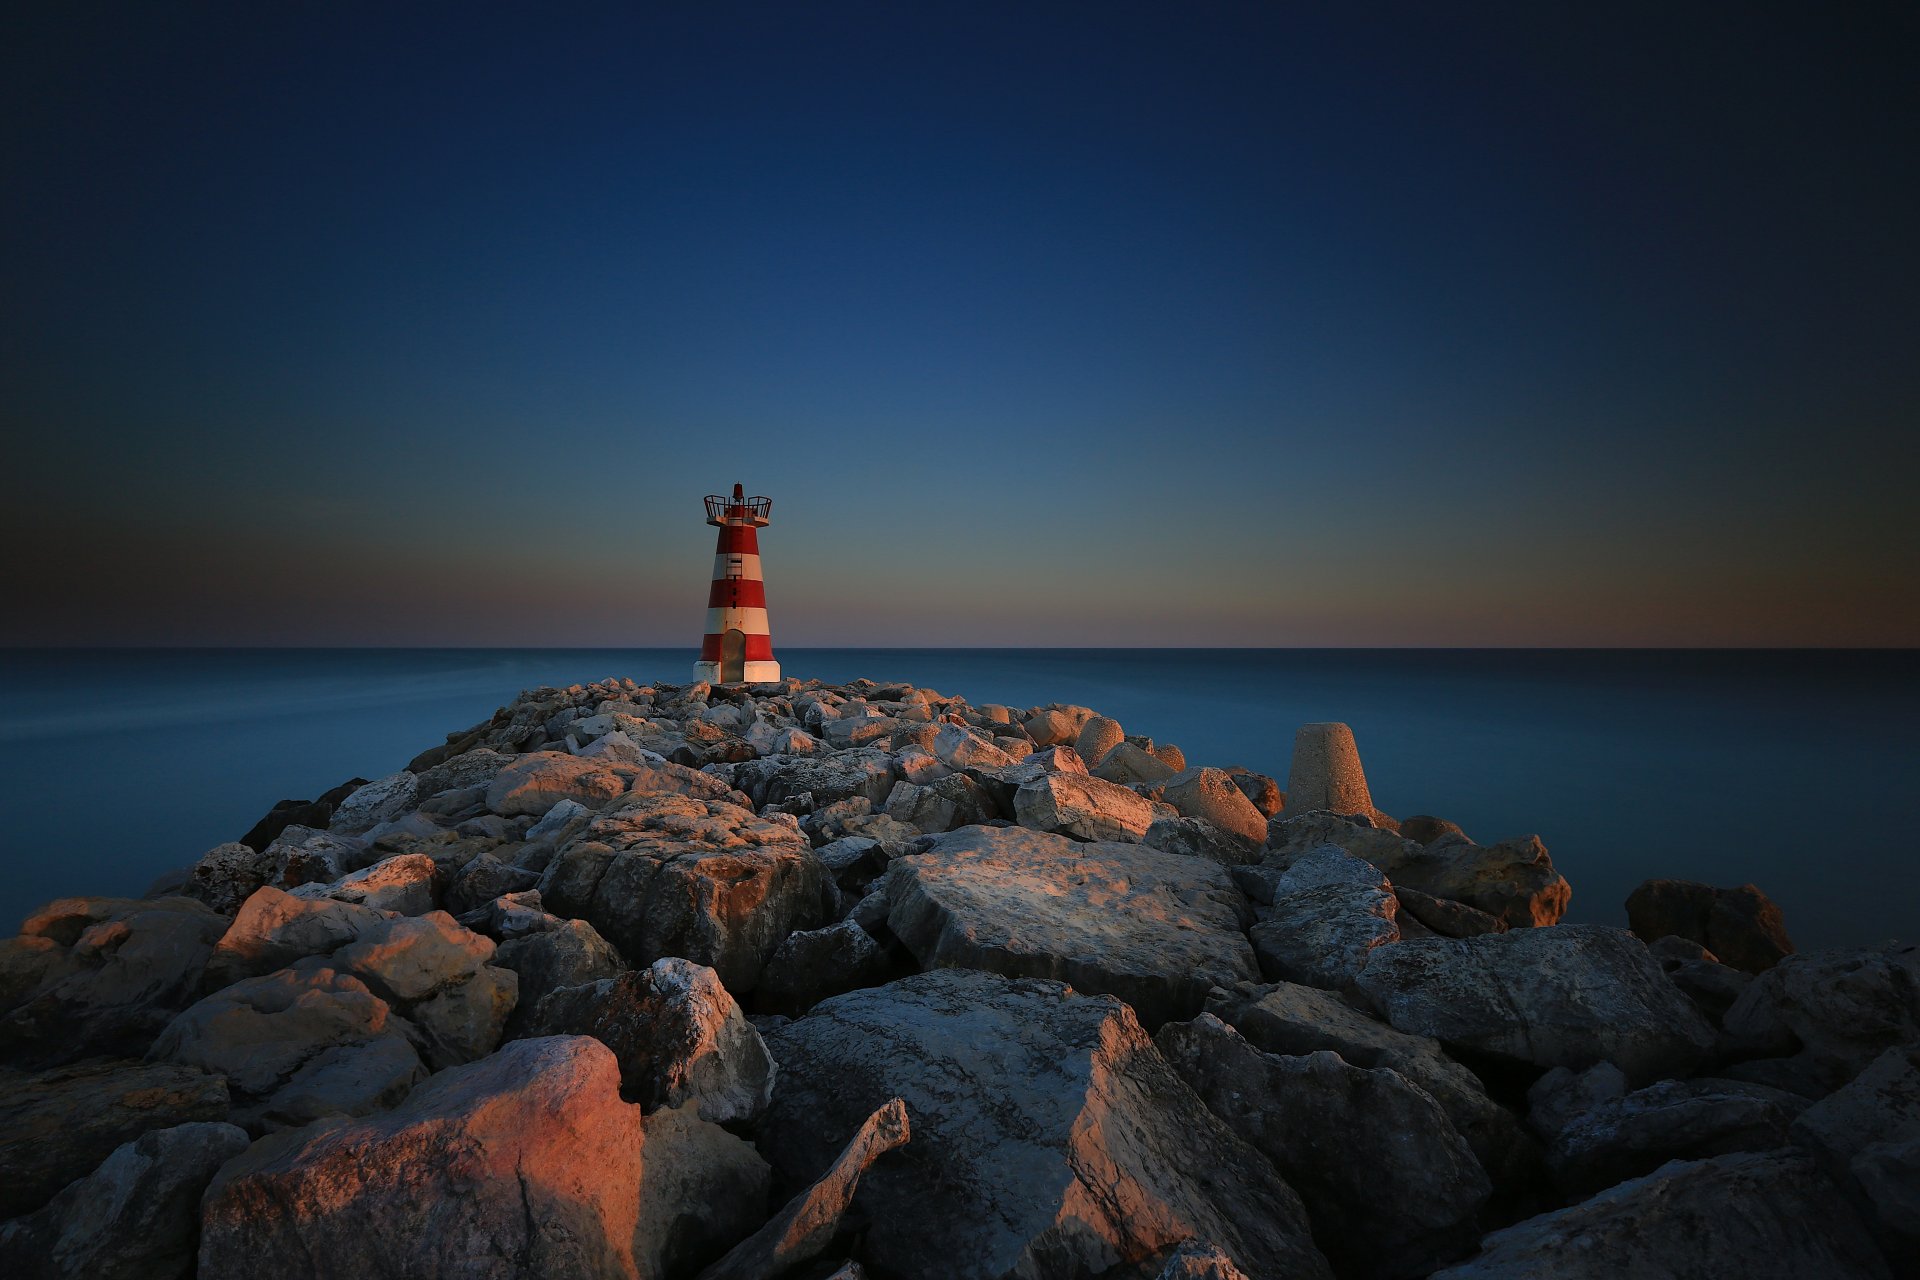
{"points": [[1839, 1009], [1742, 927], [1626, 1137]]}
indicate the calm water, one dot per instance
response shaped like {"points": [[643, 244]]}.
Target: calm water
{"points": [[1797, 771]]}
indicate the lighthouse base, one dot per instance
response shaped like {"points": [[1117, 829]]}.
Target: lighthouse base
{"points": [[750, 673]]}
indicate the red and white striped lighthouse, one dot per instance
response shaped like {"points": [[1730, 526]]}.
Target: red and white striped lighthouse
{"points": [[738, 647]]}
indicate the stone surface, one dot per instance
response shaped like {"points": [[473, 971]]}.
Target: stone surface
{"points": [[379, 801], [1742, 927], [1392, 1189], [1083, 807], [1770, 1214], [1211, 795], [1868, 1131], [1326, 772], [1620, 1138], [524, 1164], [1445, 917], [813, 964], [1561, 1095], [1049, 1136], [1130, 766], [274, 929], [1571, 995], [808, 1223], [402, 884], [58, 1125], [535, 783], [1325, 935], [94, 976], [1197, 838], [135, 1217], [570, 954], [226, 874], [677, 1035], [1155, 929], [1199, 1260], [866, 773], [1264, 792], [1096, 738], [666, 875], [1839, 1009]]}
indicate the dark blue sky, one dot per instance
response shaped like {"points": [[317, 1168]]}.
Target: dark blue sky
{"points": [[1205, 324]]}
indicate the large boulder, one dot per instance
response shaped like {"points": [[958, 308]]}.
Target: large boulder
{"points": [[1868, 1135], [1772, 1214], [1621, 1138], [136, 1217], [1289, 1019], [526, 1164], [57, 1125], [1211, 795], [866, 772], [1838, 1009], [438, 973], [381, 800], [92, 976], [1131, 766], [297, 1045], [1324, 936], [1392, 1188], [1570, 995], [275, 928], [226, 875], [813, 964], [1742, 927], [535, 783], [1097, 737], [570, 954], [677, 1035], [1084, 807], [402, 884], [1049, 1136], [668, 875], [1155, 929]]}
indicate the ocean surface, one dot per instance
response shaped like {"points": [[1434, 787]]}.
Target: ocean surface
{"points": [[1797, 771]]}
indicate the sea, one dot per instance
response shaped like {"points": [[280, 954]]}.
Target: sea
{"points": [[1794, 770]]}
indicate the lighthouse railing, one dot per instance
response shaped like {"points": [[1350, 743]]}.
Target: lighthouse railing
{"points": [[720, 507]]}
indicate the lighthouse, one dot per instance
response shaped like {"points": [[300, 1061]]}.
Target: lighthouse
{"points": [[738, 647]]}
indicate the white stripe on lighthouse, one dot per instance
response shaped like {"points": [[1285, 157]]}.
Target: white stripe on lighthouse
{"points": [[749, 566], [751, 622]]}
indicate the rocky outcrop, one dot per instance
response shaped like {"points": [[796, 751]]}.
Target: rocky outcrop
{"points": [[1392, 1189], [677, 1035], [1752, 1214], [57, 1125], [1834, 1011], [1084, 807], [1621, 1138], [1212, 796], [1742, 927], [667, 875], [1156, 929], [274, 929], [136, 1217], [1868, 1136], [1326, 913], [1567, 996], [403, 884], [1049, 1136]]}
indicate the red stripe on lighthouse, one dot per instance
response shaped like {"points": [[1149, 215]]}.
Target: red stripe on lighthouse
{"points": [[737, 593], [737, 538]]}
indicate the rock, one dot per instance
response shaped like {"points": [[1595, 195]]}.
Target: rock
{"points": [[1888, 1174], [677, 1035], [1620, 1138], [807, 1225], [93, 976], [379, 801], [1128, 765], [1197, 838], [485, 878], [227, 874], [857, 731], [554, 823], [476, 768], [1264, 792], [812, 964], [526, 1164], [263, 1033], [1446, 918], [1713, 987], [664, 778], [953, 801], [1392, 1189], [1841, 1009], [402, 884], [411, 958], [135, 1217], [1210, 794], [274, 929], [665, 875], [959, 747], [703, 1191], [537, 782], [1325, 935], [1570, 996], [1514, 880], [1155, 929], [1292, 1020], [1867, 1134], [1049, 1136], [1200, 1260], [1742, 927], [1751, 1214], [1003, 783], [305, 813], [1097, 737], [571, 954], [1562, 1095], [1052, 728], [1326, 772], [58, 1125], [1425, 829], [1083, 807], [866, 772]]}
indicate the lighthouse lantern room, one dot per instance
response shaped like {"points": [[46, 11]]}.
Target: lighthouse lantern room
{"points": [[738, 647]]}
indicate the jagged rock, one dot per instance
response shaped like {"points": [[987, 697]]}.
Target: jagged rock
{"points": [[92, 976], [525, 1163], [1197, 838], [677, 1035], [1392, 1189], [664, 875], [807, 1225], [475, 768], [379, 801], [268, 1033], [858, 731], [305, 813], [1751, 1214], [402, 884], [1326, 772], [1128, 765], [1840, 1009], [1446, 918], [553, 826], [1325, 935], [1742, 927], [1052, 727], [225, 875], [1210, 794], [1562, 1095], [274, 929], [1290, 1019], [664, 778], [959, 747], [866, 772], [1049, 1136], [1868, 1135], [1264, 792], [57, 1125], [571, 954], [953, 801], [1566, 996], [136, 1217], [811, 965], [1083, 807], [1097, 737], [1155, 929], [1002, 784], [1712, 986], [535, 783], [1625, 1137], [1200, 1260]]}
